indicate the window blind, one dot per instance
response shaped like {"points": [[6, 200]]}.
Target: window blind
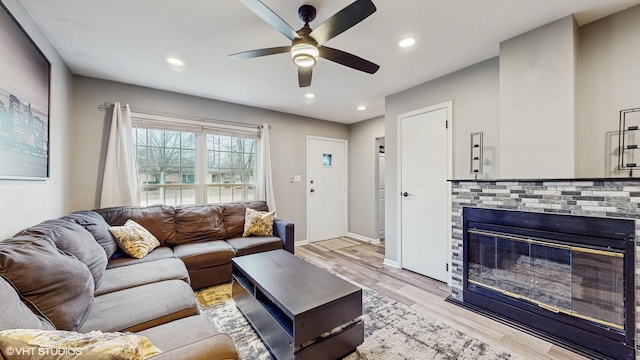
{"points": [[158, 122]]}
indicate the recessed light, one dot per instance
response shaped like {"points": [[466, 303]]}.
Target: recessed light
{"points": [[175, 61], [408, 42], [362, 108], [309, 95]]}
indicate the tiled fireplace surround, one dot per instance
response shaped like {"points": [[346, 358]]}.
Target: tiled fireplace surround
{"points": [[618, 198]]}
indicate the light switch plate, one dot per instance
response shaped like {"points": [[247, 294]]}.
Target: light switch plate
{"points": [[296, 178]]}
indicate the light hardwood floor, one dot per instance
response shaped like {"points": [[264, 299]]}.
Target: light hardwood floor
{"points": [[362, 262]]}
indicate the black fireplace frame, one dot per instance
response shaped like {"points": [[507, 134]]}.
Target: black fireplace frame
{"points": [[613, 233]]}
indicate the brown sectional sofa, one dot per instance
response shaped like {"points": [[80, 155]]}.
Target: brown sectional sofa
{"points": [[204, 237], [68, 274]]}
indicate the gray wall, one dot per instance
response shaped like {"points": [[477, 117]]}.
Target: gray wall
{"points": [[28, 202], [538, 71], [609, 82], [363, 157], [288, 138], [474, 91]]}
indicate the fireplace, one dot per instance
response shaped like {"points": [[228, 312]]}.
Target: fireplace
{"points": [[569, 278]]}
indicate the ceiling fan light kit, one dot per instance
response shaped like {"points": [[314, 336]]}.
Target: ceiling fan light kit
{"points": [[306, 44], [304, 53]]}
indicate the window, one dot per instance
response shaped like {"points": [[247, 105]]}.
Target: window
{"points": [[194, 165], [230, 168]]}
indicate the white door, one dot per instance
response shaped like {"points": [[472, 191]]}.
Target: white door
{"points": [[326, 188], [424, 192]]}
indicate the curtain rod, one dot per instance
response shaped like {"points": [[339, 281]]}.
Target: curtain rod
{"points": [[107, 105]]}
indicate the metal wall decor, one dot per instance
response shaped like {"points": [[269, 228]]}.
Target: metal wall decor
{"points": [[476, 156], [628, 139]]}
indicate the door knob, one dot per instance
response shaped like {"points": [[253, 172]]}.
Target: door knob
{"points": [[405, 194], [312, 190]]}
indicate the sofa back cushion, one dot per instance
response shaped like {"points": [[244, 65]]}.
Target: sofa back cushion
{"points": [[15, 314], [97, 226], [198, 223], [234, 214], [158, 219], [59, 285], [74, 240]]}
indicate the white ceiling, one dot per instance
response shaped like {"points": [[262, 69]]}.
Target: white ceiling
{"points": [[127, 41]]}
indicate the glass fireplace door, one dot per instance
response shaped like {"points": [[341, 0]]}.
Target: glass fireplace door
{"points": [[579, 281]]}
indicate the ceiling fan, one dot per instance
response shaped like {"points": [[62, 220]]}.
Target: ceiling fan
{"points": [[307, 44]]}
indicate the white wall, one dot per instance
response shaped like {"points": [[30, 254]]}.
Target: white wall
{"points": [[474, 91], [288, 138], [25, 203], [609, 82], [538, 73], [363, 156]]}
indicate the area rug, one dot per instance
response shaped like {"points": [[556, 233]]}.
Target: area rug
{"points": [[392, 331]]}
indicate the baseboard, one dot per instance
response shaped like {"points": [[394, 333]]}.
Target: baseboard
{"points": [[390, 263], [301, 242], [363, 238]]}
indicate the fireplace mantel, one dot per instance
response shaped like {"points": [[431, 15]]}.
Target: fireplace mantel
{"points": [[558, 180]]}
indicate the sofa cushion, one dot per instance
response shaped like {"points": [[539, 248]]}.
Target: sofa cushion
{"points": [[73, 239], [60, 286], [96, 345], [251, 245], [198, 223], [97, 226], [15, 314], [125, 277], [134, 239], [158, 219], [210, 276], [122, 259], [193, 338], [204, 254], [234, 214], [141, 307]]}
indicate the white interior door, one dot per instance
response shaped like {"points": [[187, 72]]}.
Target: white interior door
{"points": [[424, 192], [326, 188]]}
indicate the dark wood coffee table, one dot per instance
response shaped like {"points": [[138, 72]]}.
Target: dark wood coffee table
{"points": [[299, 310]]}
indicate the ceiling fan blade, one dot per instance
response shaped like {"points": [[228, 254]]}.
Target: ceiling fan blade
{"points": [[260, 52], [271, 18], [346, 59], [304, 76], [343, 20]]}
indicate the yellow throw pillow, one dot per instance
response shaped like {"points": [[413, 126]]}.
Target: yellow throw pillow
{"points": [[134, 239], [258, 223], [69, 345]]}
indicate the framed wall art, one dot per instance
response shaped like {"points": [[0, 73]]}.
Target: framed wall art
{"points": [[24, 103]]}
